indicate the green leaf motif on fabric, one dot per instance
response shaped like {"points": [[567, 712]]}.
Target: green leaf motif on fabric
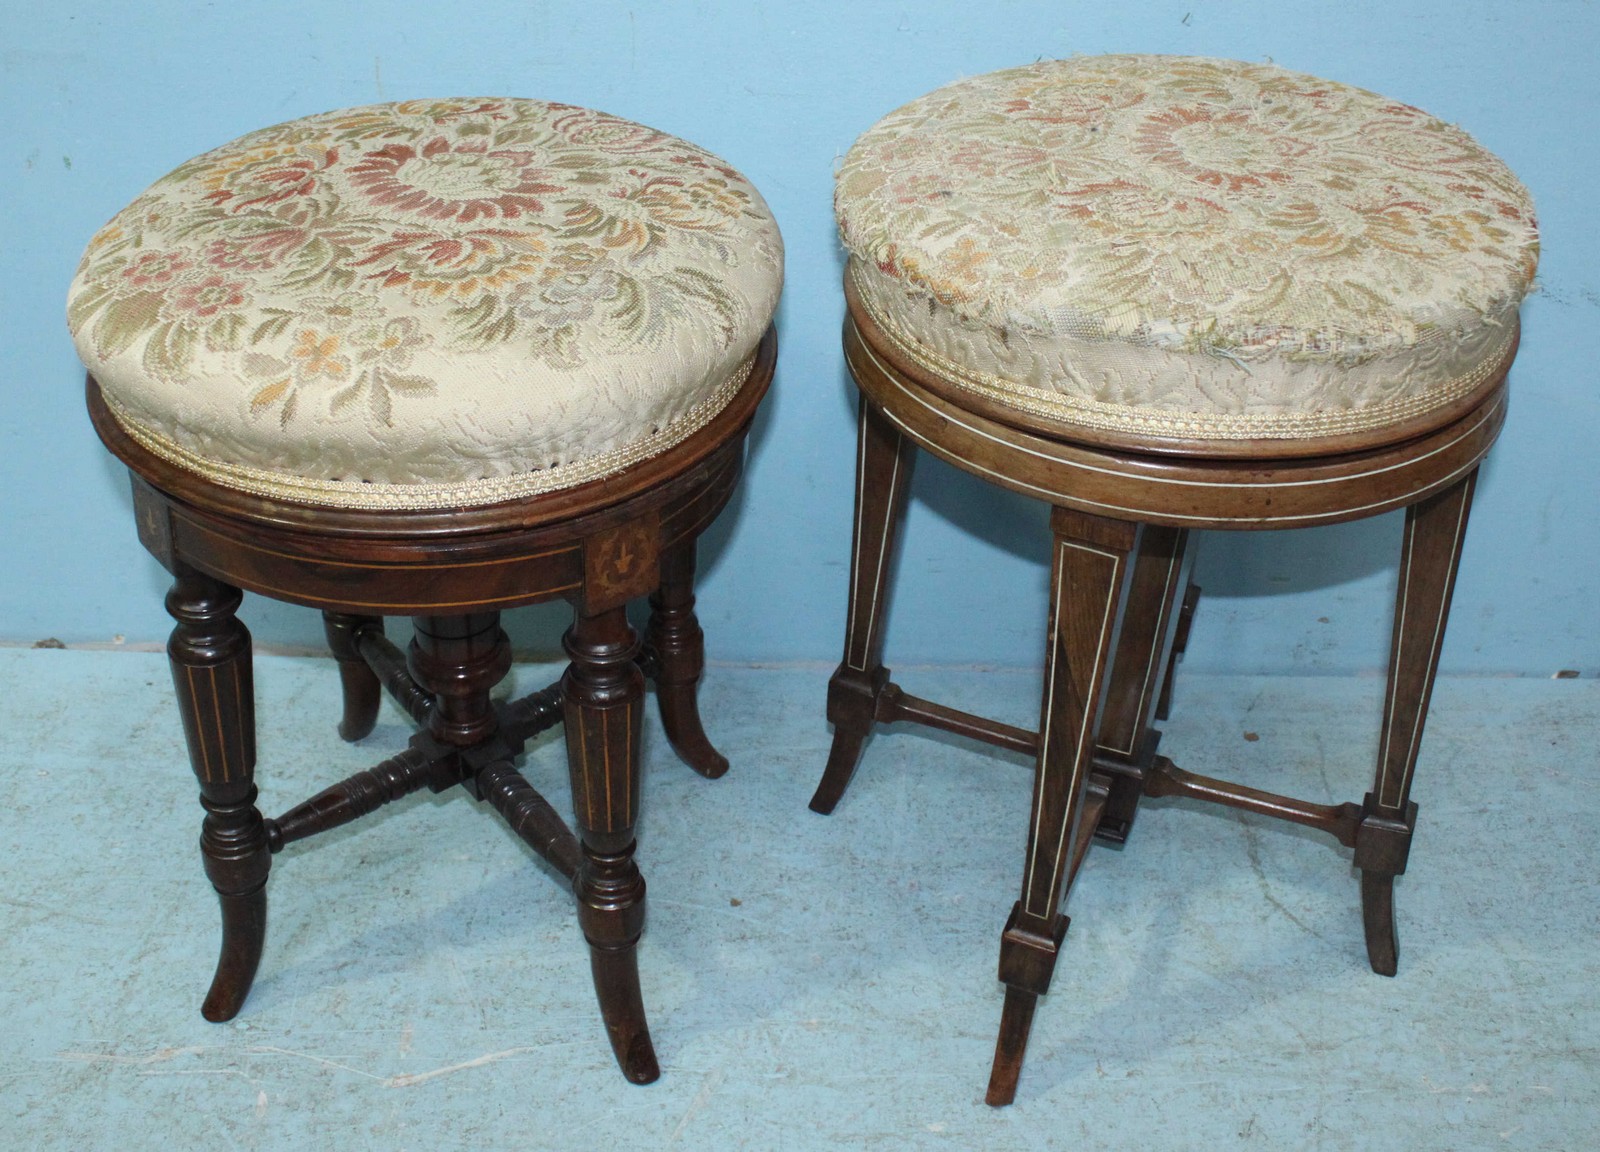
{"points": [[429, 303], [124, 321], [543, 230]]}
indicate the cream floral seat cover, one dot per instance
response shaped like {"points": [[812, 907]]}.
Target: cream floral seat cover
{"points": [[1191, 248], [437, 303]]}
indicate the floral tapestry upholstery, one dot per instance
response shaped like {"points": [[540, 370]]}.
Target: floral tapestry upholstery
{"points": [[1187, 247], [437, 303]]}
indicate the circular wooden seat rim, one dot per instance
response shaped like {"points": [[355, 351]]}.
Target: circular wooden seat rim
{"points": [[1254, 449], [432, 561], [1183, 492]]}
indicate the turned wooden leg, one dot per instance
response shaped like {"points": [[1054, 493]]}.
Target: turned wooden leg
{"points": [[603, 694], [674, 635], [360, 684], [1431, 552], [210, 656], [1087, 585], [884, 459], [1127, 738]]}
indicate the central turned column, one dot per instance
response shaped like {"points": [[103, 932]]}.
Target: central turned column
{"points": [[459, 659]]}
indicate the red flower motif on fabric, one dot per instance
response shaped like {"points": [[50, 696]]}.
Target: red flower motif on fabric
{"points": [[203, 299], [439, 265], [255, 253], [455, 181], [263, 180], [155, 271]]}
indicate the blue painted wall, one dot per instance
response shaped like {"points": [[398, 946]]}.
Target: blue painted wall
{"points": [[101, 98]]}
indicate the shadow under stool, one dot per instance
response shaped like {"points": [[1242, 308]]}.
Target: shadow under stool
{"points": [[438, 359], [1166, 294]]}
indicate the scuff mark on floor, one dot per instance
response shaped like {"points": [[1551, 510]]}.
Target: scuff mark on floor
{"points": [[160, 1055], [714, 1080], [1252, 847], [411, 1079]]}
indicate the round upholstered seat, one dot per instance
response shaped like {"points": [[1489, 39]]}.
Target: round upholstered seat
{"points": [[436, 303], [1158, 248]]}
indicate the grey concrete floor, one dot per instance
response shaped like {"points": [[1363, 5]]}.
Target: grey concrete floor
{"points": [[812, 982]]}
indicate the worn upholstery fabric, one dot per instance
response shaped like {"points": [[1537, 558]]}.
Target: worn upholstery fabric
{"points": [[1187, 247], [433, 303]]}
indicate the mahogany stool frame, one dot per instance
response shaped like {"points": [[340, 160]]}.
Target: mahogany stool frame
{"points": [[598, 545], [1120, 602]]}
